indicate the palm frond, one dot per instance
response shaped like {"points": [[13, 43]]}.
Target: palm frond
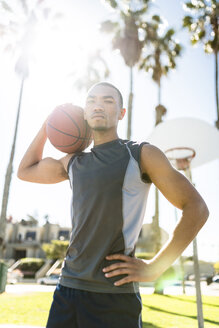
{"points": [[6, 7], [109, 26], [188, 21], [157, 18], [169, 34], [140, 12], [112, 3], [25, 6]]}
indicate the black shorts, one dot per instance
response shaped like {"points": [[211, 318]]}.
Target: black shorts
{"points": [[76, 308]]}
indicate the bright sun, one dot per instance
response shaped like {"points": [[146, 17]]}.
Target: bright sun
{"points": [[61, 55], [66, 48]]}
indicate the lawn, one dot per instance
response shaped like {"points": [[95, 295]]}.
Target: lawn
{"points": [[159, 311]]}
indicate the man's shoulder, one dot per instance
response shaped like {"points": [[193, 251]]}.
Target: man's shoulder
{"points": [[132, 143]]}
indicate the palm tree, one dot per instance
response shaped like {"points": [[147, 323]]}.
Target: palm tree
{"points": [[203, 24], [27, 29], [158, 57], [96, 70], [126, 38]]}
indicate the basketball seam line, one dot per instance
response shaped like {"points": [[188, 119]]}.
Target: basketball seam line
{"points": [[71, 118], [67, 134]]}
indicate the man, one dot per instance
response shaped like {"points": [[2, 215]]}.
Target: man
{"points": [[99, 281]]}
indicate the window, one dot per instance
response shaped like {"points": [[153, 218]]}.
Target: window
{"points": [[63, 235], [30, 235]]}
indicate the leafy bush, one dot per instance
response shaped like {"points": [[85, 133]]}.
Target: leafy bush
{"points": [[56, 250], [216, 267], [29, 266], [145, 255]]}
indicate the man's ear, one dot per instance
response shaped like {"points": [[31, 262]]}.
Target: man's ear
{"points": [[122, 113]]}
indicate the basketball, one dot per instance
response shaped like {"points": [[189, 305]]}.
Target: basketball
{"points": [[67, 129]]}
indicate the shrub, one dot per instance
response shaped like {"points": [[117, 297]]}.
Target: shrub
{"points": [[29, 266], [56, 249], [145, 255]]}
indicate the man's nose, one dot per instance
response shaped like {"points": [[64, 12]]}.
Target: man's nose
{"points": [[98, 108]]}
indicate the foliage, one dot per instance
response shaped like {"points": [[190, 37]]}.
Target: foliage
{"points": [[144, 255], [19, 23], [161, 49], [203, 23], [216, 267], [56, 249], [126, 29], [95, 71], [31, 264]]}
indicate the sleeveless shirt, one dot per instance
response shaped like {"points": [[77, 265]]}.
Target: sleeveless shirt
{"points": [[109, 195]]}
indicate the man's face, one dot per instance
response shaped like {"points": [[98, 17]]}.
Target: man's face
{"points": [[102, 109]]}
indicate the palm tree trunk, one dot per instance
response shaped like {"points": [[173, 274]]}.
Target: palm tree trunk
{"points": [[130, 105], [216, 85], [8, 178], [159, 93]]}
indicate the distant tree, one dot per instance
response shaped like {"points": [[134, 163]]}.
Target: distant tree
{"points": [[56, 250], [159, 55], [126, 38], [95, 71], [158, 58], [216, 267], [18, 26], [203, 25]]}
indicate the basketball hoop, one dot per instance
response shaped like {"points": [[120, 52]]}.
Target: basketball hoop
{"points": [[180, 157]]}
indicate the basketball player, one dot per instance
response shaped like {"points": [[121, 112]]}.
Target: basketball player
{"points": [[98, 286]]}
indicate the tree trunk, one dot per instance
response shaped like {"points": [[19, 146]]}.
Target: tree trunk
{"points": [[8, 178], [130, 101], [159, 93], [216, 85]]}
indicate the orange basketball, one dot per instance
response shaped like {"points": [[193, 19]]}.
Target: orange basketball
{"points": [[67, 129]]}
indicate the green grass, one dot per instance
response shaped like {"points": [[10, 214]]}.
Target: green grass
{"points": [[178, 311], [27, 309], [159, 311]]}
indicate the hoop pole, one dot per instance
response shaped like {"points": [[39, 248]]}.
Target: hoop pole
{"points": [[196, 269]]}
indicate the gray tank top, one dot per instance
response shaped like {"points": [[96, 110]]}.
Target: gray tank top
{"points": [[109, 195]]}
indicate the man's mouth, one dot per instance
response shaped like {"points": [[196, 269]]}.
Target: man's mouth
{"points": [[98, 115]]}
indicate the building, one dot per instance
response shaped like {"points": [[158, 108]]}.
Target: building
{"points": [[25, 238]]}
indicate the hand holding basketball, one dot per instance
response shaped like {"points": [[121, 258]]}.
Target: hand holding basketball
{"points": [[67, 129]]}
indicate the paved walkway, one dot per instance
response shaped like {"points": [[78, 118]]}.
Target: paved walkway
{"points": [[211, 290]]}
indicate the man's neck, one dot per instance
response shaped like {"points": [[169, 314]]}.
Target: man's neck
{"points": [[101, 137]]}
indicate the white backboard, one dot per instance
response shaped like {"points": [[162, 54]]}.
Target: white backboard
{"points": [[188, 132]]}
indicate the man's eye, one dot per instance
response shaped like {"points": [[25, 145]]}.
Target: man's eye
{"points": [[109, 101]]}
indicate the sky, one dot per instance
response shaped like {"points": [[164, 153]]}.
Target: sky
{"points": [[60, 57]]}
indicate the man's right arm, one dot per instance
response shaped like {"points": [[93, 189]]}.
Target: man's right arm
{"points": [[34, 168]]}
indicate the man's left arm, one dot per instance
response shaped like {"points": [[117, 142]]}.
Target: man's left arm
{"points": [[181, 193]]}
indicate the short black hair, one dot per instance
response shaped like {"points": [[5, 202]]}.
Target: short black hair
{"points": [[107, 84]]}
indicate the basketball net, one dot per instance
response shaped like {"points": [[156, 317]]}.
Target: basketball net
{"points": [[180, 157]]}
